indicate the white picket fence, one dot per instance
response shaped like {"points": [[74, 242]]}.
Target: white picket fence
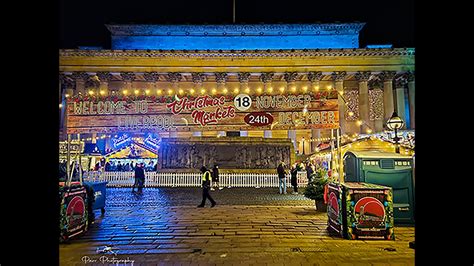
{"points": [[153, 179]]}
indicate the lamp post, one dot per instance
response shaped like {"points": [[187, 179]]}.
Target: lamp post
{"points": [[395, 123]]}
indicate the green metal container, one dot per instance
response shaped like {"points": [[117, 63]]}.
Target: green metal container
{"points": [[388, 169]]}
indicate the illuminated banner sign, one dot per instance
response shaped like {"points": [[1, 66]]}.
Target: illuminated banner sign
{"points": [[205, 112]]}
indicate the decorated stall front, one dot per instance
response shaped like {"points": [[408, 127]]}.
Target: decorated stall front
{"points": [[360, 211]]}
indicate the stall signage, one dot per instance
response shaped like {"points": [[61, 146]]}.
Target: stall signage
{"points": [[218, 111], [122, 140], [204, 112], [152, 142], [369, 212], [258, 119]]}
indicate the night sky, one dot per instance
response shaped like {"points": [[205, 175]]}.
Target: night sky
{"points": [[82, 22]]}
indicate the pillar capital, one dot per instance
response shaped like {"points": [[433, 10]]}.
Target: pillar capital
{"points": [[339, 76], [401, 82], [128, 76], [314, 76], [66, 80], [198, 77], [387, 76], [363, 76], [80, 75], [266, 77], [290, 76], [151, 76], [104, 76], [221, 77], [244, 77]]}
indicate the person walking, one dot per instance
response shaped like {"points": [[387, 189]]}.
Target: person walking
{"points": [[281, 177], [206, 182], [294, 181], [215, 177], [141, 179], [309, 172]]}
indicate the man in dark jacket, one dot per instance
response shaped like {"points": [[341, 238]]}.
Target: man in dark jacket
{"points": [[281, 177], [309, 172], [206, 183], [139, 178]]}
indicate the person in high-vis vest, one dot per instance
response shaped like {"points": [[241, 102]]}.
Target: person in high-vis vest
{"points": [[206, 184]]}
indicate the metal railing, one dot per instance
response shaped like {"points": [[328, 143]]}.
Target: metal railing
{"points": [[154, 179]]}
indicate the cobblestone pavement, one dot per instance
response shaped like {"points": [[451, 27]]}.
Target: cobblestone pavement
{"points": [[248, 227]]}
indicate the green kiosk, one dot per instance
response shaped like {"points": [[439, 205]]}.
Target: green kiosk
{"points": [[388, 169]]}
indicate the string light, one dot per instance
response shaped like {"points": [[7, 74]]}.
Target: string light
{"points": [[203, 91], [305, 88], [259, 90], [213, 91], [316, 88], [180, 91], [125, 92], [67, 95], [60, 105], [247, 90], [159, 92], [170, 91], [192, 91], [270, 89], [236, 90], [224, 90], [137, 92], [350, 113], [147, 92], [293, 88], [359, 122], [368, 131], [91, 92], [328, 87], [282, 89], [102, 92]]}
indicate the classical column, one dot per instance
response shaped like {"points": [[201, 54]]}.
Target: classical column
{"points": [[375, 103], [411, 97], [221, 78], [80, 78], [338, 78], [387, 78], [400, 94], [151, 78], [292, 136], [104, 78], [314, 79], [266, 78], [290, 78], [128, 77], [198, 78], [315, 134], [244, 81], [362, 78]]}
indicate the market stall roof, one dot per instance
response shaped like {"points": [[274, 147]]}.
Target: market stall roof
{"points": [[126, 151], [92, 148], [379, 154]]}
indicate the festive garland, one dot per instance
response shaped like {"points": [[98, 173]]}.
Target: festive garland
{"points": [[324, 95]]}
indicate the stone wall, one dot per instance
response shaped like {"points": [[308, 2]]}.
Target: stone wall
{"points": [[227, 152]]}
